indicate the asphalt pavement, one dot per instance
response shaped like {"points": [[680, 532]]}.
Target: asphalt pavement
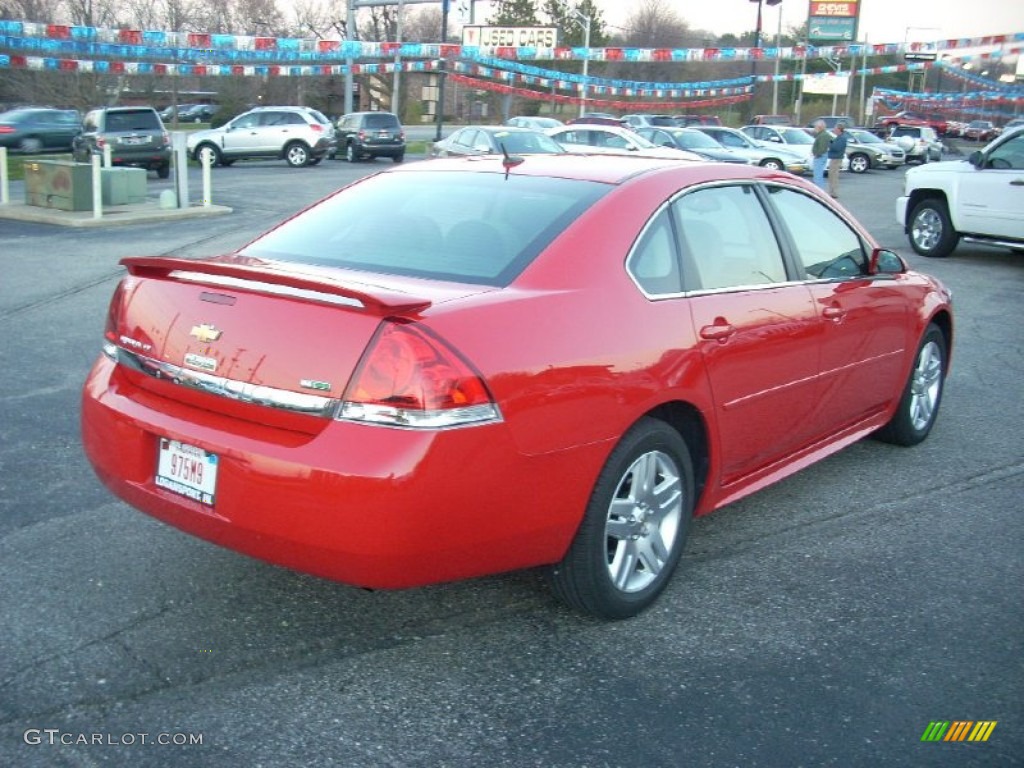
{"points": [[825, 621]]}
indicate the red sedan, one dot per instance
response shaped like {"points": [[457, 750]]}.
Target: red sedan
{"points": [[462, 367]]}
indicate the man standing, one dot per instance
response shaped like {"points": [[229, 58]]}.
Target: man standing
{"points": [[818, 153], [836, 153]]}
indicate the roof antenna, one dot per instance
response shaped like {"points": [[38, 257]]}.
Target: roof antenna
{"points": [[508, 162]]}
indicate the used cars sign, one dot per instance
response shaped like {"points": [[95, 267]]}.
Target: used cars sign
{"points": [[510, 37]]}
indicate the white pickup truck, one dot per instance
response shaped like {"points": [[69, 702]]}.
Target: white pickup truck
{"points": [[980, 199]]}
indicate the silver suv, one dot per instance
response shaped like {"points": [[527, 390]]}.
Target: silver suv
{"points": [[920, 143], [300, 135]]}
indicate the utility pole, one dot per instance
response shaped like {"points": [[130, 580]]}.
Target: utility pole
{"points": [[441, 73]]}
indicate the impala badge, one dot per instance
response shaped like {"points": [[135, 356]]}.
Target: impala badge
{"points": [[193, 360], [205, 333]]}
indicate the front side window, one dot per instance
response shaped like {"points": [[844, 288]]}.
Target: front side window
{"points": [[727, 239], [826, 246], [247, 121], [1008, 155]]}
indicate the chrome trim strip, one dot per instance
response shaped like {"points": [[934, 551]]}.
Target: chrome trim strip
{"points": [[283, 399], [262, 287]]}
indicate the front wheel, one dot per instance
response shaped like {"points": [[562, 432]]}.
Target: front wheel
{"points": [[210, 154], [931, 231], [859, 163], [296, 155], [919, 404], [398, 158], [772, 164], [634, 528]]}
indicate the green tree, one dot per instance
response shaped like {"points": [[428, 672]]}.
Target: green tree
{"points": [[515, 13], [568, 16]]}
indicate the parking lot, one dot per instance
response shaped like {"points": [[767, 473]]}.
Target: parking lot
{"points": [[825, 621]]}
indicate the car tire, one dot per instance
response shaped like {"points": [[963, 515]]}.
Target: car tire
{"points": [[634, 528], [772, 164], [30, 145], [315, 160], [398, 158], [216, 158], [350, 153], [859, 163], [930, 230], [164, 171], [919, 403], [297, 154]]}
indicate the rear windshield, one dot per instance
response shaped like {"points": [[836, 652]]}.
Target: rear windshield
{"points": [[457, 226], [140, 120], [381, 121]]}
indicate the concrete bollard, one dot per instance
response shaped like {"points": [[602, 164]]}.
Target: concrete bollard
{"points": [[97, 188]]}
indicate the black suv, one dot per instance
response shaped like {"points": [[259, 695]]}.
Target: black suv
{"points": [[371, 135], [136, 137]]}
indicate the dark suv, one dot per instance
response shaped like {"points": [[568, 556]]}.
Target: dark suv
{"points": [[371, 135], [136, 137]]}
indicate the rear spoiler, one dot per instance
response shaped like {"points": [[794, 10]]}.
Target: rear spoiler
{"points": [[379, 301]]}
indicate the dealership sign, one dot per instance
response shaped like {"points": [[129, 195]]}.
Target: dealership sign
{"points": [[831, 22], [510, 37]]}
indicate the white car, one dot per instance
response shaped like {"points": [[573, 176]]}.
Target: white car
{"points": [[792, 138], [589, 139], [978, 199]]}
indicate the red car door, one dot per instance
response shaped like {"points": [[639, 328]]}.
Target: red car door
{"points": [[864, 319]]}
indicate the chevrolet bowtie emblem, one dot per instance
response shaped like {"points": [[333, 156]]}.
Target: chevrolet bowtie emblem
{"points": [[205, 333]]}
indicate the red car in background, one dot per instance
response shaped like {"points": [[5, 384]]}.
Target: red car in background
{"points": [[468, 366], [936, 121]]}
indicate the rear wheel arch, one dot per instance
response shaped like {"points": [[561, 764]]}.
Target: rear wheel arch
{"points": [[689, 422]]}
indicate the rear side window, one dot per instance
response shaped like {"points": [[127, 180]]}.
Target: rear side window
{"points": [[479, 228], [727, 239]]}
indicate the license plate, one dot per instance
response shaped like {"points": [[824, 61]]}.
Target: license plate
{"points": [[135, 140], [187, 470]]}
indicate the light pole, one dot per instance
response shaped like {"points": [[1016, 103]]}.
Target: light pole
{"points": [[757, 37], [586, 44]]}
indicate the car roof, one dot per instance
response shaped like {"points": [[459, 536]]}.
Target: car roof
{"points": [[607, 169]]}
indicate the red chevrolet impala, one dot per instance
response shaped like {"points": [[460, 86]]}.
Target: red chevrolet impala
{"points": [[462, 367]]}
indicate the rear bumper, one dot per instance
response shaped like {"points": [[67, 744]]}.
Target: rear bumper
{"points": [[369, 506]]}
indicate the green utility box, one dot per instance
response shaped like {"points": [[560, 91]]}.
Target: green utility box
{"points": [[123, 186], [58, 184]]}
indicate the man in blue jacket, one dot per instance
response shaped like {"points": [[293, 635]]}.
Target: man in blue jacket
{"points": [[836, 153]]}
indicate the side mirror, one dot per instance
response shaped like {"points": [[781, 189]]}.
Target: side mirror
{"points": [[975, 158], [885, 262], [776, 139]]}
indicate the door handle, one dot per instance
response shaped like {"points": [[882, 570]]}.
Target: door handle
{"points": [[717, 332], [833, 313], [1017, 183]]}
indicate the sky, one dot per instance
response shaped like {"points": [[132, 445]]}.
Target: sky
{"points": [[881, 21]]}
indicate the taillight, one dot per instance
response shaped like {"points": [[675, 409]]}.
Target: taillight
{"points": [[316, 127], [7, 129], [110, 333], [100, 141], [166, 137], [410, 378]]}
